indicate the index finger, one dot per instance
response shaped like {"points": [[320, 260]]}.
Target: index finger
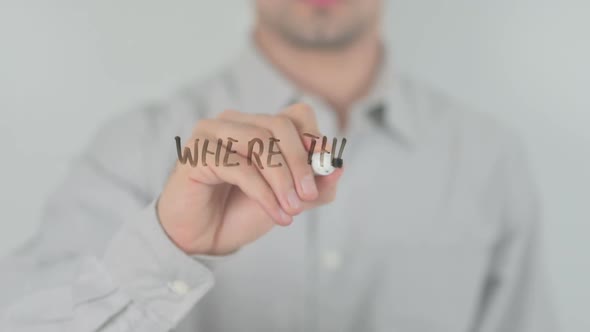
{"points": [[304, 119]]}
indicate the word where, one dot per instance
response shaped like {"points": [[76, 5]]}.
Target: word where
{"points": [[196, 155]]}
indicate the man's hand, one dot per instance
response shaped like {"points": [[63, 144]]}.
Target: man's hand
{"points": [[216, 210]]}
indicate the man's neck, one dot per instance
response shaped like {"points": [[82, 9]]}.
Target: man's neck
{"points": [[340, 77]]}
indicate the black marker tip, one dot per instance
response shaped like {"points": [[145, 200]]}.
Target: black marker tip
{"points": [[337, 162]]}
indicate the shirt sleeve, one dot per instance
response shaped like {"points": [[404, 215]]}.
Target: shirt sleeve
{"points": [[100, 260], [517, 293]]}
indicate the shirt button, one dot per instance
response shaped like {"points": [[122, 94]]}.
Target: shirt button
{"points": [[179, 287], [331, 260]]}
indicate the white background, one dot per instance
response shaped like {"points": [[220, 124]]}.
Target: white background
{"points": [[68, 65]]}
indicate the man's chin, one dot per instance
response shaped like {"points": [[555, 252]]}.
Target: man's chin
{"points": [[322, 42], [320, 36]]}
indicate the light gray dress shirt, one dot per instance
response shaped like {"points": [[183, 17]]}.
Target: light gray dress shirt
{"points": [[435, 227]]}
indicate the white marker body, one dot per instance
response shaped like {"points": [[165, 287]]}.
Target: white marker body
{"points": [[327, 167]]}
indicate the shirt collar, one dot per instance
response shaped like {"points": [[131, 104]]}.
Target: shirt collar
{"points": [[264, 89]]}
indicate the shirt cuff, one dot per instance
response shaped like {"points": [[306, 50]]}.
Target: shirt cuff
{"points": [[158, 276]]}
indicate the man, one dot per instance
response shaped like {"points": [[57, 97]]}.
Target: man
{"points": [[431, 225]]}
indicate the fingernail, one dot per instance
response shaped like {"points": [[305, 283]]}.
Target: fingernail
{"points": [[293, 199], [284, 216], [308, 185]]}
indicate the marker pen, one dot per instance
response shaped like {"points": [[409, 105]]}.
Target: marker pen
{"points": [[327, 167]]}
